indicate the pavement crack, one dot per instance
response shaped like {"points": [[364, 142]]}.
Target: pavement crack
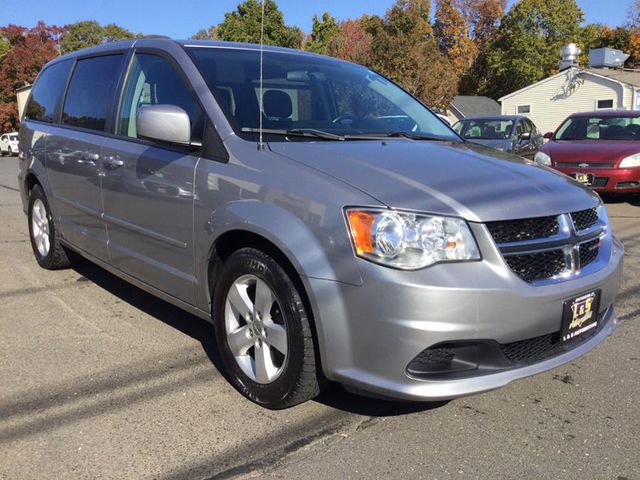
{"points": [[9, 188]]}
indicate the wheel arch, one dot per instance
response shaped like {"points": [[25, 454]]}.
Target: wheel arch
{"points": [[236, 239]]}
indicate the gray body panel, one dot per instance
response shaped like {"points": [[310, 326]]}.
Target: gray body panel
{"points": [[153, 215]]}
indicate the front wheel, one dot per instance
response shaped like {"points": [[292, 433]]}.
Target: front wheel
{"points": [[45, 240], [263, 331]]}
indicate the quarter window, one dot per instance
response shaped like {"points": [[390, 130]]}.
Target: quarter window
{"points": [[153, 80], [91, 91], [47, 92]]}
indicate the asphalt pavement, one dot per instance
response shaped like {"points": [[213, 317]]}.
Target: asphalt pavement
{"points": [[101, 380]]}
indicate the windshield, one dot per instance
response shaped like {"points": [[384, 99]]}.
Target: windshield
{"points": [[311, 94], [13, 138], [485, 129], [600, 128]]}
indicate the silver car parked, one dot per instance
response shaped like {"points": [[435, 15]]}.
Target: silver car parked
{"points": [[328, 224]]}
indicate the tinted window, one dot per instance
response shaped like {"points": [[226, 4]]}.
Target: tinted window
{"points": [[91, 90], [600, 128], [47, 92], [604, 104], [153, 80]]}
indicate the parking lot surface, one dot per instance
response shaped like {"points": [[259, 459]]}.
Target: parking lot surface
{"points": [[101, 380]]}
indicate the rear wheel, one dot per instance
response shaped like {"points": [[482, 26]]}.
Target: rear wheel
{"points": [[263, 331], [45, 241]]}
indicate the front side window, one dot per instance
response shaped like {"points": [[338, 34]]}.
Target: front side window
{"points": [[153, 80], [47, 92], [600, 128], [306, 92], [91, 91]]}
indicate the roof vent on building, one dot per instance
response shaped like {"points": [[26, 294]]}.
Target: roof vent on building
{"points": [[569, 56], [607, 58]]}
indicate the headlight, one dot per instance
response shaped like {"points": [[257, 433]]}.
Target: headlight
{"points": [[542, 158], [632, 161], [410, 241]]}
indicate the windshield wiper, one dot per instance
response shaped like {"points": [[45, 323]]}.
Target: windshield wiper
{"points": [[297, 132], [416, 136], [379, 135]]}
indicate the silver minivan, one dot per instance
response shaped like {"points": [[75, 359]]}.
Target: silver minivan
{"points": [[329, 225]]}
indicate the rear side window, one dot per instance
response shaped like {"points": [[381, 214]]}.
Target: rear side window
{"points": [[91, 91], [47, 92]]}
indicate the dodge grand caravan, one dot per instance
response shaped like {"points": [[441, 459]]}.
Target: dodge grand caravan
{"points": [[328, 224]]}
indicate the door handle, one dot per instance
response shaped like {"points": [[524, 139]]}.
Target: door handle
{"points": [[112, 162]]}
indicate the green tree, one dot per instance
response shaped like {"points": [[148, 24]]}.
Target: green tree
{"points": [[243, 25], [210, 33], [89, 33], [528, 43], [323, 33]]}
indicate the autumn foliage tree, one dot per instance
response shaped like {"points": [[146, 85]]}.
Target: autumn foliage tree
{"points": [[28, 49], [451, 30], [403, 48]]}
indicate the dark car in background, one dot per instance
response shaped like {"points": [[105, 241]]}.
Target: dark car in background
{"points": [[507, 133], [599, 149]]}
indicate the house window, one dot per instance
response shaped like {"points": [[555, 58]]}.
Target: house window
{"points": [[522, 109], [604, 104]]}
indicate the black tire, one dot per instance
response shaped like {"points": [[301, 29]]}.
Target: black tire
{"points": [[56, 258], [299, 380]]}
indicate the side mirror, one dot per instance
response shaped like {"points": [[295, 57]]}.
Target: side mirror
{"points": [[525, 137], [548, 135], [167, 123]]}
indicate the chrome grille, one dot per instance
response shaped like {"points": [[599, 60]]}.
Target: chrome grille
{"points": [[584, 165], [549, 248]]}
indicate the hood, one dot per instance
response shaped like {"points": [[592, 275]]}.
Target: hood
{"points": [[590, 151], [464, 180], [503, 144]]}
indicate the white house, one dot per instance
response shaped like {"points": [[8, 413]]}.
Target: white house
{"points": [[548, 102]]}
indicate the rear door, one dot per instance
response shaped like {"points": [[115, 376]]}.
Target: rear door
{"points": [[74, 149], [148, 186]]}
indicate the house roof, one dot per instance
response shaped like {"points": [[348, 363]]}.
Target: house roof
{"points": [[475, 106], [625, 76]]}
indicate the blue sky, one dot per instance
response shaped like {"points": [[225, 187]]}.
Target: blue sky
{"points": [[182, 19]]}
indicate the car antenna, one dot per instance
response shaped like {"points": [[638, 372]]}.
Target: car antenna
{"points": [[260, 142]]}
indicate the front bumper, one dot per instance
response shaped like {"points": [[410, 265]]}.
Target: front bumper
{"points": [[610, 180], [369, 334]]}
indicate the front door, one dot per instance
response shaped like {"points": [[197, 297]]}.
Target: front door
{"points": [[148, 186], [73, 153]]}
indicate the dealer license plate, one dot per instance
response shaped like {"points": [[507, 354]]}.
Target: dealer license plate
{"points": [[580, 315]]}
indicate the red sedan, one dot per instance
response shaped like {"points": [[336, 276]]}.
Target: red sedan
{"points": [[599, 149]]}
